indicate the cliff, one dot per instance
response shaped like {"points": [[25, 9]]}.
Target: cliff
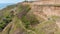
{"points": [[33, 17]]}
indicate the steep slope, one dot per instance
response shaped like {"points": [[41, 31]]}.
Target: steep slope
{"points": [[30, 18]]}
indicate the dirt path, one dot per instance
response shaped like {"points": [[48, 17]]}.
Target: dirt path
{"points": [[58, 23]]}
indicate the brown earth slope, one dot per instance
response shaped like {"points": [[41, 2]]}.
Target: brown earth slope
{"points": [[37, 17]]}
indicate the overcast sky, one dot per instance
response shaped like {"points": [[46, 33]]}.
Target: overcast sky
{"points": [[4, 3], [10, 1]]}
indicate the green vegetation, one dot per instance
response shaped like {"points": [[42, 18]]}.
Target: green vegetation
{"points": [[45, 27], [21, 21], [27, 22], [10, 7], [55, 17], [5, 20]]}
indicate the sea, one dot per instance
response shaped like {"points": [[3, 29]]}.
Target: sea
{"points": [[3, 5]]}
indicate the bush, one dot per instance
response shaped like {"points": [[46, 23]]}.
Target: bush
{"points": [[5, 21], [24, 19]]}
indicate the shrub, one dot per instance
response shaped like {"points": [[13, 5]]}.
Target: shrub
{"points": [[5, 20]]}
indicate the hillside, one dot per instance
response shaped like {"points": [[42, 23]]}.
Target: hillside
{"points": [[33, 17]]}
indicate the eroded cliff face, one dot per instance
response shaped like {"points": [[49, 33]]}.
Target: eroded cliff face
{"points": [[37, 17], [47, 10]]}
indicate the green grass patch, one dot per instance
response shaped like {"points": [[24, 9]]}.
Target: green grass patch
{"points": [[44, 27], [55, 17]]}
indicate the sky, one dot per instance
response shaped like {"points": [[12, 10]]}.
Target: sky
{"points": [[10, 1], [4, 3]]}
